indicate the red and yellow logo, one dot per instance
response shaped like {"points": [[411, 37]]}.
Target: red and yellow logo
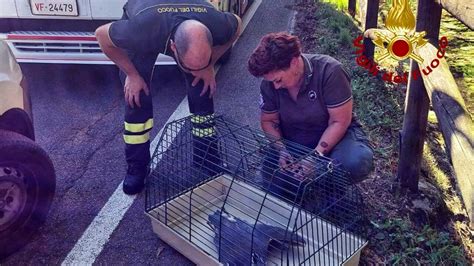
{"points": [[400, 40]]}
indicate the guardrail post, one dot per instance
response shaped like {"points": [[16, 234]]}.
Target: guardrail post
{"points": [[352, 7], [417, 103], [371, 17]]}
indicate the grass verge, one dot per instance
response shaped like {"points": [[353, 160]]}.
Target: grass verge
{"points": [[394, 237]]}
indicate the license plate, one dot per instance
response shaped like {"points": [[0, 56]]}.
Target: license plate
{"points": [[54, 7]]}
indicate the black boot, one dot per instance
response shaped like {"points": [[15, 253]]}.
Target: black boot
{"points": [[134, 180]]}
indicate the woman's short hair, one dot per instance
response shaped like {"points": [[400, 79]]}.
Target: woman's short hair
{"points": [[274, 52]]}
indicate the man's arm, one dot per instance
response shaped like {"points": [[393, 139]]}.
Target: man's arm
{"points": [[117, 55], [134, 83], [339, 120]]}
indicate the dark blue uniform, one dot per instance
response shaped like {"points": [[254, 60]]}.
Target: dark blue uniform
{"points": [[144, 32]]}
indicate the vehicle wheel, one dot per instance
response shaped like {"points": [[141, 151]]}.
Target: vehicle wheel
{"points": [[27, 186], [17, 120]]}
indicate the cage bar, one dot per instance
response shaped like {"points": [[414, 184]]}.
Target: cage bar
{"points": [[218, 194]]}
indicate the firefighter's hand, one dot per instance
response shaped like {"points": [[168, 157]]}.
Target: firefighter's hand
{"points": [[134, 84], [208, 76]]}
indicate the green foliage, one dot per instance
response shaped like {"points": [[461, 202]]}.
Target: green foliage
{"points": [[345, 38], [428, 247], [339, 4], [338, 22], [459, 56], [379, 107], [389, 3], [376, 106], [334, 25], [327, 46]]}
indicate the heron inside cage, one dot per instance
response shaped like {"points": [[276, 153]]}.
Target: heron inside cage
{"points": [[228, 200]]}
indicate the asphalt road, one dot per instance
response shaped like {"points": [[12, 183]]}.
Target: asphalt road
{"points": [[78, 116]]}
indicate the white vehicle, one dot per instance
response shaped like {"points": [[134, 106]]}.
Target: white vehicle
{"points": [[27, 177], [62, 31]]}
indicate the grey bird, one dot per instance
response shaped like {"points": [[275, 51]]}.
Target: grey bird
{"points": [[234, 239]]}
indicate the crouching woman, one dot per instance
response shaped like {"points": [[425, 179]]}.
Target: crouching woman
{"points": [[307, 99]]}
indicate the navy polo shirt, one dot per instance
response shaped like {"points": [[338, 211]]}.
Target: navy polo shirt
{"points": [[147, 25], [326, 85]]}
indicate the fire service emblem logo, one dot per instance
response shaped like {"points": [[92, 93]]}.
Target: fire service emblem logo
{"points": [[401, 40]]}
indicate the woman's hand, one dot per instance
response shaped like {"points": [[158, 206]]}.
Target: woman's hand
{"points": [[305, 168], [285, 159], [208, 76], [134, 84]]}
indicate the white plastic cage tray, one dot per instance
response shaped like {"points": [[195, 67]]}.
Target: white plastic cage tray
{"points": [[336, 246]]}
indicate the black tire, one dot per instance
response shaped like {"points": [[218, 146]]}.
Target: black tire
{"points": [[17, 120], [27, 186]]}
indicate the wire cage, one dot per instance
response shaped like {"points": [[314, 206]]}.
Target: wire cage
{"points": [[219, 193]]}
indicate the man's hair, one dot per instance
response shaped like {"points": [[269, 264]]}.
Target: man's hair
{"points": [[274, 52], [183, 37]]}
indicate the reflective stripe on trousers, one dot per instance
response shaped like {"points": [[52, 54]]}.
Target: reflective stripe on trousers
{"points": [[139, 120], [137, 133], [203, 125]]}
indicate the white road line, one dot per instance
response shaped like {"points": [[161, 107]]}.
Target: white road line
{"points": [[249, 14], [93, 240]]}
